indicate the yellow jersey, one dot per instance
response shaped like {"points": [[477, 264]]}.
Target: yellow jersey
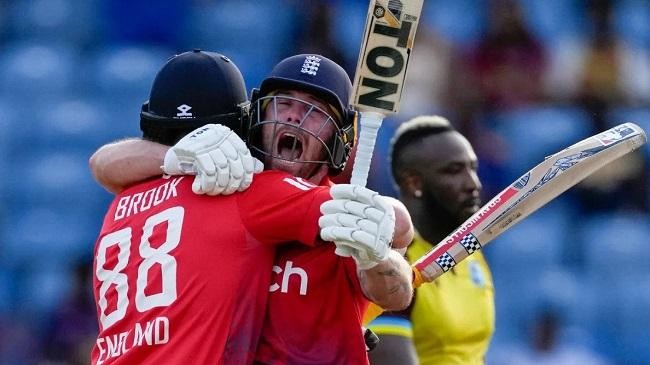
{"points": [[450, 320]]}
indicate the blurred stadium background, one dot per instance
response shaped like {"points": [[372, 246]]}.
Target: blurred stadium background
{"points": [[521, 79]]}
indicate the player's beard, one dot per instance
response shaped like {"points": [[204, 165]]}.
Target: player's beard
{"points": [[305, 170], [443, 217], [306, 158]]}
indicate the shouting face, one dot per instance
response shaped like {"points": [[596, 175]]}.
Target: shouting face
{"points": [[296, 130]]}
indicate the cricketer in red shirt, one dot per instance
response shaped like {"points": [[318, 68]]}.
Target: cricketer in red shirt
{"points": [[315, 308], [181, 278]]}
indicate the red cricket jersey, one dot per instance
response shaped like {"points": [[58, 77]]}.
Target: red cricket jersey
{"points": [[181, 278], [315, 309]]}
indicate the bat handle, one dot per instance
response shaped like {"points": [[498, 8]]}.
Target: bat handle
{"points": [[369, 123], [418, 279]]}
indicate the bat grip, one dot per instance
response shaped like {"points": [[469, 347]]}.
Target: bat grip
{"points": [[369, 123], [418, 279]]}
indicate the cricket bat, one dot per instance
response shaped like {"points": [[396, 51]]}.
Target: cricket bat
{"points": [[381, 71], [379, 78], [534, 189]]}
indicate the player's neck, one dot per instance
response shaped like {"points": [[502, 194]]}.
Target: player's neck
{"points": [[431, 231], [319, 175], [433, 224]]}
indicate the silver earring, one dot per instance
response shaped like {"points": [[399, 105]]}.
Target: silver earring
{"points": [[418, 193]]}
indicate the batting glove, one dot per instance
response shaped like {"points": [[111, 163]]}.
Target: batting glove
{"points": [[219, 158], [360, 222]]}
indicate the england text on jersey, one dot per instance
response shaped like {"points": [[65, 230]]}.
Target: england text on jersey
{"points": [[151, 333]]}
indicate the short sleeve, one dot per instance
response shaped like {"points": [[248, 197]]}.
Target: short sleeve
{"points": [[279, 208]]}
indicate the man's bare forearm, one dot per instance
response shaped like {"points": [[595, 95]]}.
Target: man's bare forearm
{"points": [[389, 284], [123, 163]]}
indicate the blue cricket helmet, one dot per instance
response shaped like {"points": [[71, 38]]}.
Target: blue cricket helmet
{"points": [[314, 74], [326, 80]]}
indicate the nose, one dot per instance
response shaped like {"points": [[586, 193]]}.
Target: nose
{"points": [[293, 113], [472, 182]]}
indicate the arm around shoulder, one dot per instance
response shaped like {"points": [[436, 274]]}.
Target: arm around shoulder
{"points": [[120, 164]]}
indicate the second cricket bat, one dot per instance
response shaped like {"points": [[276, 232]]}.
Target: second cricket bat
{"points": [[534, 189]]}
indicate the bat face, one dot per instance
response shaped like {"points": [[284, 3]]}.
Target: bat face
{"points": [[385, 52]]}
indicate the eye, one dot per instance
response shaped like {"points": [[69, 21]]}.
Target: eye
{"points": [[282, 104], [452, 169], [319, 113]]}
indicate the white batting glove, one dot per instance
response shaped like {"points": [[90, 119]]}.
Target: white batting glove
{"points": [[219, 158], [360, 222]]}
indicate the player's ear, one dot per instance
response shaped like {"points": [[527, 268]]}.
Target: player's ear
{"points": [[412, 184]]}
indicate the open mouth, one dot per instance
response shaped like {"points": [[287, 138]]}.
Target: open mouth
{"points": [[289, 147]]}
